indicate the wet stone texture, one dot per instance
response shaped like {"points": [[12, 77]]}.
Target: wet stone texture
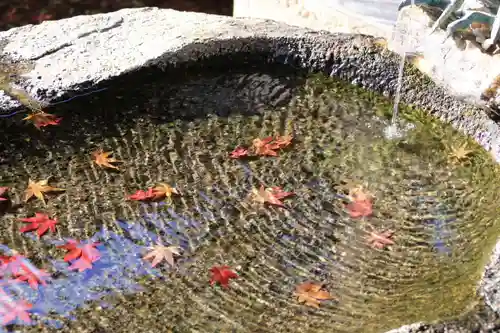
{"points": [[181, 130]]}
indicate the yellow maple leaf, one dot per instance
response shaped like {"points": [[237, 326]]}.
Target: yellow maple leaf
{"points": [[38, 189]]}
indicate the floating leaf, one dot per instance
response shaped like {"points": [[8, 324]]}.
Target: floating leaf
{"points": [[222, 275], [38, 189], [41, 223], [161, 252], [311, 294], [102, 159], [272, 195]]}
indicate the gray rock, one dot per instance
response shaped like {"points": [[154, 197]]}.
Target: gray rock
{"points": [[74, 54]]}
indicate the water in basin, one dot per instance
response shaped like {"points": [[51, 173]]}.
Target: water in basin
{"points": [[441, 210]]}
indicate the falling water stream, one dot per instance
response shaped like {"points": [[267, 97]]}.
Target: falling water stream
{"points": [[393, 130]]}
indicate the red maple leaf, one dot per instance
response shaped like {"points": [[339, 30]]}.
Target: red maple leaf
{"points": [[222, 275], [3, 192], [141, 195], [360, 208], [239, 152], [81, 251], [41, 223], [34, 277], [11, 309], [80, 265], [22, 270]]}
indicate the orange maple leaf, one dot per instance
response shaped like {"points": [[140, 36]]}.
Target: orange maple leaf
{"points": [[262, 147], [42, 119], [102, 159], [311, 294], [272, 195], [38, 189], [281, 142]]}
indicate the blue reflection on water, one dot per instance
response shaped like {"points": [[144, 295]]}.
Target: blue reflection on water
{"points": [[441, 223], [116, 272]]}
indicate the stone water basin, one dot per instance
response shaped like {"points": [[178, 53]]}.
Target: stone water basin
{"points": [[181, 131]]}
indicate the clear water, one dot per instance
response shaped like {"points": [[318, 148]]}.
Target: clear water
{"points": [[443, 214]]}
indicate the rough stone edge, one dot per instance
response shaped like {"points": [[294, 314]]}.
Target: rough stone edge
{"points": [[354, 58]]}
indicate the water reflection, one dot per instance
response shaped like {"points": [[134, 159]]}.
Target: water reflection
{"points": [[116, 272]]}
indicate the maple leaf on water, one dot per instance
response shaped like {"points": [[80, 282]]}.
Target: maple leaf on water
{"points": [[459, 153], [11, 309], [102, 159], [361, 204], [161, 252], [360, 208], [239, 152], [222, 275], [40, 222], [3, 193], [262, 147], [272, 195], [38, 189], [158, 192], [141, 195], [281, 142], [21, 269], [163, 190], [33, 277], [311, 294], [42, 119], [82, 254], [80, 265], [380, 240]]}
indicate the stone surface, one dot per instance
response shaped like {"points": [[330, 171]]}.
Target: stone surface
{"points": [[461, 67], [74, 54], [372, 17]]}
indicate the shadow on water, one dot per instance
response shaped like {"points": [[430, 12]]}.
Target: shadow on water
{"points": [[179, 130]]}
